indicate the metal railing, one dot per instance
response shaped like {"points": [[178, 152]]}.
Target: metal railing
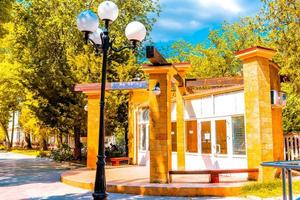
{"points": [[286, 168], [292, 146]]}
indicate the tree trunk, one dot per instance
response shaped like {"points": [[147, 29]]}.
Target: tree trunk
{"points": [[6, 135], [59, 139], [43, 141], [12, 130], [28, 141], [77, 149], [44, 145], [126, 140]]}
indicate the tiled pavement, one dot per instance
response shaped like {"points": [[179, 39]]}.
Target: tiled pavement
{"points": [[25, 177]]}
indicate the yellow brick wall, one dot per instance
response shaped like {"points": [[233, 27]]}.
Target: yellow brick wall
{"points": [[263, 123], [160, 129]]}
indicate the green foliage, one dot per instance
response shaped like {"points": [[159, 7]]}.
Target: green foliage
{"points": [[3, 148], [268, 189], [31, 152], [113, 153], [216, 57], [11, 93], [64, 153], [43, 154], [280, 20], [5, 9], [291, 113], [53, 58]]}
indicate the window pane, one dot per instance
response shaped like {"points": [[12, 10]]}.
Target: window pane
{"points": [[191, 136], [174, 137], [221, 137], [238, 128], [142, 137], [206, 137]]}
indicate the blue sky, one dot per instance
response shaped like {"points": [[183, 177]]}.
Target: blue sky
{"points": [[191, 20]]}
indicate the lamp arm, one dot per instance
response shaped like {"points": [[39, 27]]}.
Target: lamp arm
{"points": [[132, 46], [121, 49], [97, 47]]}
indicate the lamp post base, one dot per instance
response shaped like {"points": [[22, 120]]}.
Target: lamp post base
{"points": [[100, 196]]}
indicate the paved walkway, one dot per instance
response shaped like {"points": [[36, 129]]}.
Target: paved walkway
{"points": [[26, 177]]}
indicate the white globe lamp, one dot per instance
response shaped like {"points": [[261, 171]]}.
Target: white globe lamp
{"points": [[135, 31], [87, 21], [108, 10]]}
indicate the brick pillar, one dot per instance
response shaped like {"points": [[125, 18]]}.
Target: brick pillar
{"points": [[160, 123], [93, 130], [258, 111], [180, 130], [131, 127]]}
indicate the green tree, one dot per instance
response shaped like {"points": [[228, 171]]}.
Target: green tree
{"points": [[53, 56], [215, 58], [5, 10], [11, 93], [280, 20]]}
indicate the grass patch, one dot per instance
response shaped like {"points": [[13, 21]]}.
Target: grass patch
{"points": [[32, 152], [268, 189]]}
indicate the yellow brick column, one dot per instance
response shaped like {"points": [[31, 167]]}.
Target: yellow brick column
{"points": [[180, 130], [160, 123], [258, 113], [93, 130], [131, 127]]}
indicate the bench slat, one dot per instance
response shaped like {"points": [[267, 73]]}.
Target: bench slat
{"points": [[214, 174], [214, 171], [119, 158]]}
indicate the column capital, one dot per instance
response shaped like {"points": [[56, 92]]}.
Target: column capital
{"points": [[247, 55], [164, 69]]}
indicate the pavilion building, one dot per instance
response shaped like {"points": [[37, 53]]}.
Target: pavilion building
{"points": [[194, 124]]}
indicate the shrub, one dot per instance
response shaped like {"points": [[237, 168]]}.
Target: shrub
{"points": [[114, 151], [64, 153], [43, 154], [3, 148]]}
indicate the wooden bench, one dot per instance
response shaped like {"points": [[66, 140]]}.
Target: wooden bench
{"points": [[214, 174], [116, 161]]}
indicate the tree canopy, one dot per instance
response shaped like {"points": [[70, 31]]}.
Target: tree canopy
{"points": [[53, 57], [5, 14]]}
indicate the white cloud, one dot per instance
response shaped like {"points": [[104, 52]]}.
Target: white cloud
{"points": [[230, 6], [185, 17], [173, 24]]}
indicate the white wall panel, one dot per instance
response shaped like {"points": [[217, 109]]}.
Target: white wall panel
{"points": [[207, 107], [240, 103]]}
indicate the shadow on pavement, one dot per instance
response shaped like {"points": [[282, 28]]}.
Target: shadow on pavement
{"points": [[25, 171]]}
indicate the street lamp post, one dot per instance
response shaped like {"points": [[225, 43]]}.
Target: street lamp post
{"points": [[88, 22]]}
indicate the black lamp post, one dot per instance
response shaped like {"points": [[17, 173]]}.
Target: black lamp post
{"points": [[88, 22]]}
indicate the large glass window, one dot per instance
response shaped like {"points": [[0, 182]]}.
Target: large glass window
{"points": [[238, 133], [191, 136], [143, 129]]}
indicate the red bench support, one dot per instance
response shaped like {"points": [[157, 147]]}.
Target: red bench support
{"points": [[214, 174], [116, 161]]}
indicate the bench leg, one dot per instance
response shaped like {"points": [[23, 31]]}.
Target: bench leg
{"points": [[214, 178], [115, 163]]}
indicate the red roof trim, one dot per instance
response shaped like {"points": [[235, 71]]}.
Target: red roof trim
{"points": [[251, 49]]}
